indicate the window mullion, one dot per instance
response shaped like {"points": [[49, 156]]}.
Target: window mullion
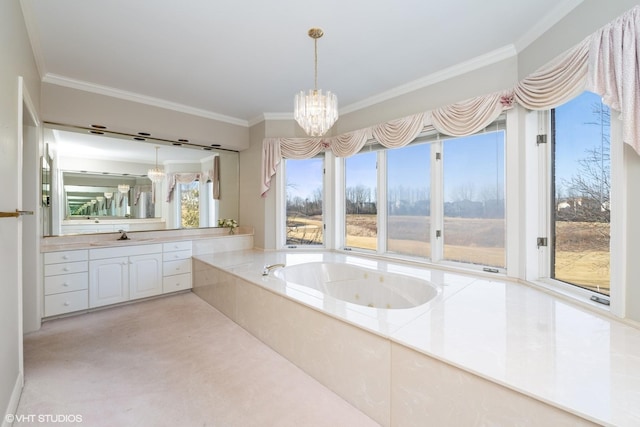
{"points": [[437, 202], [381, 201], [544, 194]]}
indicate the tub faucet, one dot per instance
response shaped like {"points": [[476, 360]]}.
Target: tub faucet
{"points": [[123, 236], [268, 268]]}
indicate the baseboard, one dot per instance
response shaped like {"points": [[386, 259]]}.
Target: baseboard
{"points": [[13, 402]]}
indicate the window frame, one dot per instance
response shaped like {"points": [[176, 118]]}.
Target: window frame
{"points": [[178, 206], [281, 206], [436, 141], [539, 185]]}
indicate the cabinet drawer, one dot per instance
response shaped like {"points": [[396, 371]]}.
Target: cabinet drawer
{"points": [[66, 302], [170, 268], [128, 250], [175, 283], [176, 246], [65, 283], [65, 256], [66, 268], [171, 256]]}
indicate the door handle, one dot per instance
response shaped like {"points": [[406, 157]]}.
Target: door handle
{"points": [[15, 214]]}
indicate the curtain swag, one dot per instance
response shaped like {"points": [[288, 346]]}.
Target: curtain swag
{"points": [[607, 63], [212, 175]]}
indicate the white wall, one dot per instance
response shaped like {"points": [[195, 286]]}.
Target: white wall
{"points": [[76, 107], [17, 60]]}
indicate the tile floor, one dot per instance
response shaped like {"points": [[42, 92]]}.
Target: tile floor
{"points": [[172, 361]]}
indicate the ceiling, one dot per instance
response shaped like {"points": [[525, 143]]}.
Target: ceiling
{"points": [[244, 60]]}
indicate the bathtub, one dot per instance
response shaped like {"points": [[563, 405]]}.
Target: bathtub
{"points": [[464, 348], [358, 285]]}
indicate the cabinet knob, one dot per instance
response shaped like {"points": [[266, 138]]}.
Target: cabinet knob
{"points": [[177, 284], [65, 257], [65, 284], [177, 268], [177, 256], [65, 269], [67, 303]]}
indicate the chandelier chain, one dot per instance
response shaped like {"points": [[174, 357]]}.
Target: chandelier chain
{"points": [[315, 81]]}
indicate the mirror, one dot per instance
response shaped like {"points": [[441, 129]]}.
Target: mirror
{"points": [[88, 195], [45, 179], [102, 184]]}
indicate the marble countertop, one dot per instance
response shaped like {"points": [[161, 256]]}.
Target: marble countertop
{"points": [[105, 240], [569, 356]]}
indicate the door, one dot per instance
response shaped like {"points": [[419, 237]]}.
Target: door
{"points": [[145, 275], [108, 281]]}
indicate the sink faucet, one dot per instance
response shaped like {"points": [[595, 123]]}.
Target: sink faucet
{"points": [[123, 236], [267, 268]]}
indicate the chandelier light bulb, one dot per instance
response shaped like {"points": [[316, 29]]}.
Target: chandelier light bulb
{"points": [[314, 111], [156, 174]]}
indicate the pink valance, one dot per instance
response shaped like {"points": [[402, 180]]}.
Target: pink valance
{"points": [[614, 71], [469, 117], [607, 63]]}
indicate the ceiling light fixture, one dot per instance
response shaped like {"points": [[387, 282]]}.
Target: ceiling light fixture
{"points": [[315, 112], [156, 174], [123, 188]]}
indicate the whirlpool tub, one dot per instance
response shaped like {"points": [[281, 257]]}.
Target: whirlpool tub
{"points": [[359, 285]]}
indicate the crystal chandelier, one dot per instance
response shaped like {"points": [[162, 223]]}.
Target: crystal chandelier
{"points": [[156, 174], [315, 112]]}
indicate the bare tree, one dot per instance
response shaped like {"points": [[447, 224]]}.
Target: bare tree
{"points": [[464, 192], [590, 187]]}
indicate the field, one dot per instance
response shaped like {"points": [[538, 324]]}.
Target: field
{"points": [[582, 249]]}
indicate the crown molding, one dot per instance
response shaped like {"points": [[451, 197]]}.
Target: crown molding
{"points": [[554, 16], [142, 99], [439, 76], [34, 37], [492, 57]]}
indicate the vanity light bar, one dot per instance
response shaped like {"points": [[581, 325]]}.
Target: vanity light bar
{"points": [[122, 135]]}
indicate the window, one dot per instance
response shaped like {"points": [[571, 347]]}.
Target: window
{"points": [[189, 204], [429, 200], [361, 220], [580, 190], [409, 200], [304, 198], [474, 206]]}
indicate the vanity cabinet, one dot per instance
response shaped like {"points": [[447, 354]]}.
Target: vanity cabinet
{"points": [[65, 282], [121, 274], [77, 280], [176, 266]]}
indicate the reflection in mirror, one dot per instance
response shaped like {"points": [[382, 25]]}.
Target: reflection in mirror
{"points": [[101, 184], [114, 196], [45, 179]]}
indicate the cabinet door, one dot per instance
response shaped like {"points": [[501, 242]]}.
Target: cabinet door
{"points": [[145, 275], [108, 281]]}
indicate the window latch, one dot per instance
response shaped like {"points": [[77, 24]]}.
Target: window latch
{"points": [[541, 241], [541, 139]]}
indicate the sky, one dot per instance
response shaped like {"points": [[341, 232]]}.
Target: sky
{"points": [[474, 163]]}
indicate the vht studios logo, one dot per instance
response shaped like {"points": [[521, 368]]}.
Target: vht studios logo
{"points": [[43, 418]]}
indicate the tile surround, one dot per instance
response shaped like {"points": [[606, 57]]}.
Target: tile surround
{"points": [[508, 353]]}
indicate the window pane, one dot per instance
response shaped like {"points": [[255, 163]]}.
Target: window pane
{"points": [[360, 201], [474, 221], [304, 201], [408, 196], [190, 205], [581, 186]]}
